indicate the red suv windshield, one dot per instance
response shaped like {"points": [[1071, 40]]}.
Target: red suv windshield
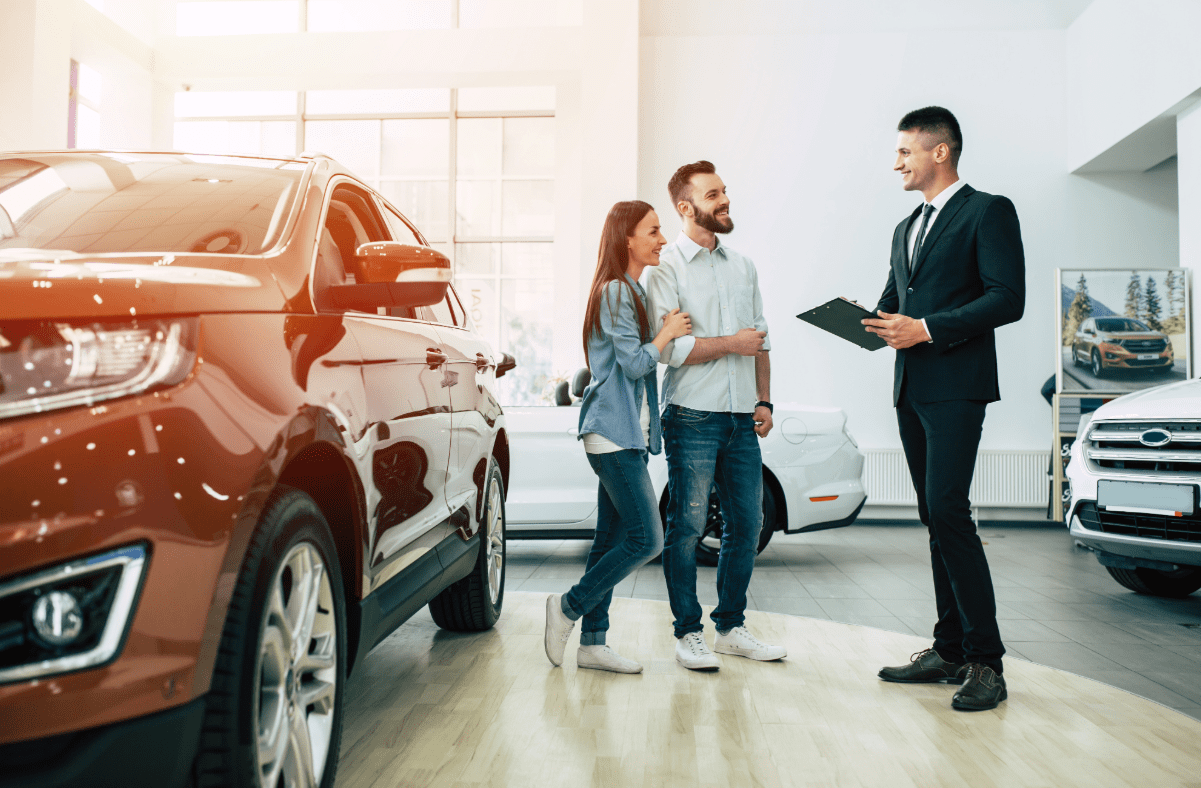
{"points": [[121, 203], [1120, 324]]}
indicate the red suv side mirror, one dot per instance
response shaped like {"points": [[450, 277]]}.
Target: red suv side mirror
{"points": [[392, 274]]}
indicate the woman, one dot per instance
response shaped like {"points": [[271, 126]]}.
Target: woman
{"points": [[619, 424]]}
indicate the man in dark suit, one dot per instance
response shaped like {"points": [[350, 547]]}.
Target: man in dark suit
{"points": [[958, 273]]}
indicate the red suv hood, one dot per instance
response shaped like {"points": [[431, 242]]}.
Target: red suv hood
{"points": [[72, 286]]}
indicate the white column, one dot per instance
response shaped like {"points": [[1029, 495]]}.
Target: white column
{"points": [[603, 111], [1188, 152], [35, 68]]}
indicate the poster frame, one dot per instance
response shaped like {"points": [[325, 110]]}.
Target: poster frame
{"points": [[1059, 325]]}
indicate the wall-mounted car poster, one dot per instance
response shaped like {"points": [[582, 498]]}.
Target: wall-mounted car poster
{"points": [[1121, 330]]}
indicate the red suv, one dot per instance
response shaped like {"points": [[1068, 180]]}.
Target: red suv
{"points": [[246, 430]]}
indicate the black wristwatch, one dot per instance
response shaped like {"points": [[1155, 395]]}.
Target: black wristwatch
{"points": [[767, 405]]}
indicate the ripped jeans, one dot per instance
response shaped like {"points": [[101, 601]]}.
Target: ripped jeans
{"points": [[704, 447]]}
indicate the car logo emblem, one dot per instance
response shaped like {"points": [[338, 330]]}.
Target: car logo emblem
{"points": [[1155, 438]]}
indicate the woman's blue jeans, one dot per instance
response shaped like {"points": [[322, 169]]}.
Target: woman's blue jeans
{"points": [[704, 447], [628, 534]]}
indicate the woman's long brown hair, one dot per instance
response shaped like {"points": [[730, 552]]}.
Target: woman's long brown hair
{"points": [[612, 261]]}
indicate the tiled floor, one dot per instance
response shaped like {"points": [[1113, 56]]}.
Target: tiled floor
{"points": [[1057, 606]]}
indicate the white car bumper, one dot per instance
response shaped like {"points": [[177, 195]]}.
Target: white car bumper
{"points": [[1085, 525], [823, 488]]}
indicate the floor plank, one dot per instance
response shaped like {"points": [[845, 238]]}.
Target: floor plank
{"points": [[431, 708]]}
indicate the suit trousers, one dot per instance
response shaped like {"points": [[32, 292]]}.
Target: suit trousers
{"points": [[940, 441]]}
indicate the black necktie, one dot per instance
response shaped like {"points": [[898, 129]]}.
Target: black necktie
{"points": [[927, 209]]}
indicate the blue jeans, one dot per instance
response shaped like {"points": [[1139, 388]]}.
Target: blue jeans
{"points": [[704, 447], [628, 534]]}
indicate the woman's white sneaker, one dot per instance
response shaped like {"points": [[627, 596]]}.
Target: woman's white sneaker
{"points": [[693, 653], [605, 658], [558, 629], [741, 643]]}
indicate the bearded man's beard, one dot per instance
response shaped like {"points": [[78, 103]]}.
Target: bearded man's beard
{"points": [[710, 222]]}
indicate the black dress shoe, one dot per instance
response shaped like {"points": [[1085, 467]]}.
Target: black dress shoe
{"points": [[925, 667], [983, 689]]}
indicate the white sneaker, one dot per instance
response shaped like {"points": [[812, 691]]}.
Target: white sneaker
{"points": [[605, 658], [558, 629], [693, 653], [741, 643]]}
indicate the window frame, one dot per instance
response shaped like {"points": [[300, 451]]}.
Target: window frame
{"points": [[331, 189]]}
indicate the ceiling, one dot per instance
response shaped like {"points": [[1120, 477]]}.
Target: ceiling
{"points": [[712, 17]]}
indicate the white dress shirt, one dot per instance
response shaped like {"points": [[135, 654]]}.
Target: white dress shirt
{"points": [[720, 292], [938, 202]]}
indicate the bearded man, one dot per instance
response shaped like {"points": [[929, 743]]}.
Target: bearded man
{"points": [[716, 399]]}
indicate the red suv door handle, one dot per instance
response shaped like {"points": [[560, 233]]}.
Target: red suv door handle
{"points": [[434, 357]]}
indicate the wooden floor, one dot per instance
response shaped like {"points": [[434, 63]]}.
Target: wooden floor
{"points": [[430, 708]]}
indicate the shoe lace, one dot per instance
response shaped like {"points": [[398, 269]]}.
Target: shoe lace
{"points": [[746, 634], [973, 671], [696, 642], [920, 655]]}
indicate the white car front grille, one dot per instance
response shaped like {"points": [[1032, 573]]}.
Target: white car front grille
{"points": [[1160, 448]]}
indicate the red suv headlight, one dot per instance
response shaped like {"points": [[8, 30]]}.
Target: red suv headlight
{"points": [[48, 365]]}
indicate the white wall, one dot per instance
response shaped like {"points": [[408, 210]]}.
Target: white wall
{"points": [[1129, 64], [802, 129], [35, 47], [38, 40]]}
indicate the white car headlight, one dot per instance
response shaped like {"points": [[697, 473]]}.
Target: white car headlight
{"points": [[50, 365]]}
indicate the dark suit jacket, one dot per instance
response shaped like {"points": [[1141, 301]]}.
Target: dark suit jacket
{"points": [[968, 279]]}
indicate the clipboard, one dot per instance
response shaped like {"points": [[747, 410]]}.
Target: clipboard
{"points": [[841, 317]]}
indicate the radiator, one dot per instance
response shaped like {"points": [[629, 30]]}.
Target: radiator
{"points": [[1003, 478]]}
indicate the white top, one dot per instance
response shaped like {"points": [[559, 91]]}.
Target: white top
{"points": [[720, 292], [595, 443], [938, 202]]}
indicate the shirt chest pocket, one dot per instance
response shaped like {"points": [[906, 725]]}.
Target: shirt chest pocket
{"points": [[742, 304]]}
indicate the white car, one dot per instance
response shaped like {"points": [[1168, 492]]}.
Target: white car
{"points": [[1135, 470], [812, 474]]}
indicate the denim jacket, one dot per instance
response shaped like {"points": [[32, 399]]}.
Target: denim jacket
{"points": [[622, 369]]}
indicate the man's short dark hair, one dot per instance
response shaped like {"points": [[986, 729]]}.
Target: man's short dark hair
{"points": [[679, 188], [937, 125]]}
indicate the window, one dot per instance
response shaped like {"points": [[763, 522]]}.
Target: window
{"points": [[370, 15], [350, 222], [254, 122], [237, 17], [147, 203], [472, 169], [439, 312], [83, 107], [401, 231], [456, 307], [240, 17]]}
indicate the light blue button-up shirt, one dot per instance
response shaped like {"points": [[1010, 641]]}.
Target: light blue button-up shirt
{"points": [[720, 291], [623, 372]]}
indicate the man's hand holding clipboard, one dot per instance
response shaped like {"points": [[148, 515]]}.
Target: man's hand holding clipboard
{"points": [[898, 331], [851, 321], [845, 318]]}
